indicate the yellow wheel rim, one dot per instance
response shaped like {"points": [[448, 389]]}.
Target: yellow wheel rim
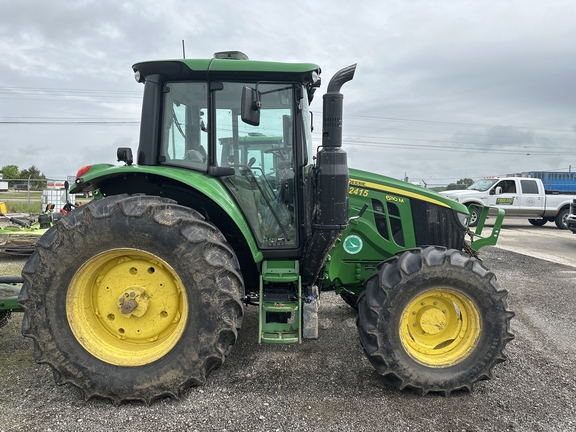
{"points": [[127, 307], [440, 328]]}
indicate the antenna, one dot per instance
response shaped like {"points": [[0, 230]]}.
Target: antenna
{"points": [[183, 50]]}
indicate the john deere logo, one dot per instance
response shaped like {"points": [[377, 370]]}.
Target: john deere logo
{"points": [[353, 244], [505, 201]]}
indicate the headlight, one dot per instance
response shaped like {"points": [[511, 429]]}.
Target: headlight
{"points": [[463, 219], [455, 198]]}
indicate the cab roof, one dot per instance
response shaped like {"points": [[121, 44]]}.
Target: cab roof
{"points": [[225, 65]]}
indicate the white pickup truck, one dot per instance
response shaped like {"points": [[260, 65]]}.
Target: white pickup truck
{"points": [[519, 197]]}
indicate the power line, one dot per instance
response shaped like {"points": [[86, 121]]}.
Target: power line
{"points": [[68, 118], [56, 90], [66, 122], [394, 119], [70, 100], [386, 129], [523, 145]]}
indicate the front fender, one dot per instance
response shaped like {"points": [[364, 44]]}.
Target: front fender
{"points": [[106, 177]]}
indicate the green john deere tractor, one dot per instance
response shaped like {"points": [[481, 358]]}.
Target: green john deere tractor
{"points": [[141, 293]]}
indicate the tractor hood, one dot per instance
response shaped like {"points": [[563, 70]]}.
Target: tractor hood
{"points": [[395, 187]]}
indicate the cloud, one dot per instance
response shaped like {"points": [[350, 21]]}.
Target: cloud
{"points": [[440, 89]]}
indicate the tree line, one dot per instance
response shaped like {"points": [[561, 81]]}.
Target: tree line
{"points": [[12, 174], [460, 184]]}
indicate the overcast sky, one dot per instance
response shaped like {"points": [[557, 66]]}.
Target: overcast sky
{"points": [[443, 89]]}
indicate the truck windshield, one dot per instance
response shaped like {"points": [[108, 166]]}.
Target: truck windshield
{"points": [[483, 185]]}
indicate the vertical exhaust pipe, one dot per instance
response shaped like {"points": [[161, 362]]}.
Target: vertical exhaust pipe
{"points": [[333, 108], [330, 207]]}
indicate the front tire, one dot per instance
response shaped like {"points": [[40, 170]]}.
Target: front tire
{"points": [[132, 298], [560, 219], [474, 216], [433, 320], [538, 222]]}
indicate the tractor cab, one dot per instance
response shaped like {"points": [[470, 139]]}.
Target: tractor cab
{"points": [[250, 129]]}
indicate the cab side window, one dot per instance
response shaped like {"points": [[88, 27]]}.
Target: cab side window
{"points": [[508, 186], [529, 186], [184, 133]]}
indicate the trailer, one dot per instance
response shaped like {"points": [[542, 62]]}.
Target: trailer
{"points": [[555, 182]]}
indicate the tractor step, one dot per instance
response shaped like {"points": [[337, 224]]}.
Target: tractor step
{"points": [[280, 303]]}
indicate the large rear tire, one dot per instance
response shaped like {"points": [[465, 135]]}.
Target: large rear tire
{"points": [[433, 320], [132, 298]]}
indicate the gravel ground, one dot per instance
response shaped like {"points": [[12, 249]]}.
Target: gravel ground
{"points": [[328, 384]]}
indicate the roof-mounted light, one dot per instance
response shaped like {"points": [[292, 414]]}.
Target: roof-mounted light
{"points": [[230, 55], [138, 76], [315, 76]]}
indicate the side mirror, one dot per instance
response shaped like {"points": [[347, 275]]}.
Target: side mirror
{"points": [[124, 154], [498, 190], [250, 110]]}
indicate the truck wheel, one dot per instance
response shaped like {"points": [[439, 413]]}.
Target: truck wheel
{"points": [[538, 222], [132, 298], [474, 216], [4, 317], [433, 320], [560, 219]]}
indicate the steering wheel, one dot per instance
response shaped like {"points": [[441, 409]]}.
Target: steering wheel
{"points": [[283, 152]]}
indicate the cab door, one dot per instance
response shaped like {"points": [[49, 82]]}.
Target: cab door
{"points": [[531, 199], [504, 194]]}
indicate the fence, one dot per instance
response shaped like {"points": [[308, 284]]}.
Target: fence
{"points": [[35, 194], [26, 184]]}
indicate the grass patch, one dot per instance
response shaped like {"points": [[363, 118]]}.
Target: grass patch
{"points": [[5, 196], [17, 202], [23, 207]]}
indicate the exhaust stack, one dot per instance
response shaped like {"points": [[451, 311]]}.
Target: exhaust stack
{"points": [[330, 208]]}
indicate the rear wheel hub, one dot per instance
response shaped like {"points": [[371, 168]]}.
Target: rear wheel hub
{"points": [[127, 307]]}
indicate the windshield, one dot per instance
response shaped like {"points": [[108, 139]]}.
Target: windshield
{"points": [[483, 185]]}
